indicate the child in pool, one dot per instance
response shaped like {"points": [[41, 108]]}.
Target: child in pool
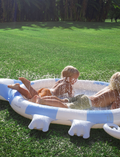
{"points": [[69, 77], [108, 96]]}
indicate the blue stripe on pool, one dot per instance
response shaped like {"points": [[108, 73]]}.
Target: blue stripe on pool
{"points": [[97, 116], [32, 83], [12, 94], [46, 111], [101, 83], [56, 79], [4, 91], [17, 81]]}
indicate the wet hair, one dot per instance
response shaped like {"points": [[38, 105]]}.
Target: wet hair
{"points": [[115, 81], [69, 71]]}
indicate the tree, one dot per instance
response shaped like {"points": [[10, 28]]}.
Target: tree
{"points": [[114, 12], [16, 8], [53, 10]]}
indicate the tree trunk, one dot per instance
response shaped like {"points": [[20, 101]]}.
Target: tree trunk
{"points": [[84, 7]]}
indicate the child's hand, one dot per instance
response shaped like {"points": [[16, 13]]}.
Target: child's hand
{"points": [[65, 100]]}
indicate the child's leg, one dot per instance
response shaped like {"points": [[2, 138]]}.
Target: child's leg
{"points": [[54, 97], [33, 99], [50, 102], [26, 82], [23, 91]]}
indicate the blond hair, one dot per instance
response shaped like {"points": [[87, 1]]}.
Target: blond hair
{"points": [[115, 81], [69, 71]]}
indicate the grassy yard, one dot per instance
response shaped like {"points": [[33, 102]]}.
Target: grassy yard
{"points": [[41, 50]]}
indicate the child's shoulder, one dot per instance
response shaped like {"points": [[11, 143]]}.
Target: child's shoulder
{"points": [[58, 83], [63, 82]]}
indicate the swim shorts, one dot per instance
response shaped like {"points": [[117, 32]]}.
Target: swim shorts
{"points": [[79, 102], [44, 92]]}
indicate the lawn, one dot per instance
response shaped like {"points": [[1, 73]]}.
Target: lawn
{"points": [[41, 50]]}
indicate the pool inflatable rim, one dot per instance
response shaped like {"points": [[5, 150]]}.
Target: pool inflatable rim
{"points": [[43, 113]]}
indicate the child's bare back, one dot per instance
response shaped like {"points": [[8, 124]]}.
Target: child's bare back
{"points": [[61, 87]]}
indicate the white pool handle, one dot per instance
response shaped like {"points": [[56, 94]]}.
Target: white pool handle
{"points": [[112, 129]]}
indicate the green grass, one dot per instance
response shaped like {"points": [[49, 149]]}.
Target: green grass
{"points": [[42, 50]]}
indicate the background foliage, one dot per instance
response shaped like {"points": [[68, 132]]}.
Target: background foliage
{"points": [[55, 10]]}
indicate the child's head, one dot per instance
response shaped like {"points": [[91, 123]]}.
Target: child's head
{"points": [[115, 81], [70, 72]]}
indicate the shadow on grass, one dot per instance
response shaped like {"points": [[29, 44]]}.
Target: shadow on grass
{"points": [[59, 131], [4, 105], [62, 25], [96, 136]]}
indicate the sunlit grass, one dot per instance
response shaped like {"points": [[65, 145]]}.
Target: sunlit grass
{"points": [[42, 50]]}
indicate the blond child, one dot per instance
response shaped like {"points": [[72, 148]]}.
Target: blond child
{"points": [[108, 96], [69, 76]]}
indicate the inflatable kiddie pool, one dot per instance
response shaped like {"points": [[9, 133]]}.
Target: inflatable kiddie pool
{"points": [[81, 121]]}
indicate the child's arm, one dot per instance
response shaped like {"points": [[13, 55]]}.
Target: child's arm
{"points": [[70, 89]]}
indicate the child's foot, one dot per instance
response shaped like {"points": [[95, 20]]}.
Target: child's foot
{"points": [[39, 100], [14, 86], [25, 81], [34, 99], [65, 100]]}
